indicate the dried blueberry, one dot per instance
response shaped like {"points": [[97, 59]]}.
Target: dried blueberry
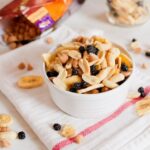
{"points": [[93, 70], [52, 73], [140, 89], [73, 90], [21, 135], [78, 86], [81, 49], [56, 126], [84, 84], [81, 1], [109, 1], [92, 49], [74, 71], [140, 3], [124, 67], [147, 53], [115, 14], [134, 40]]}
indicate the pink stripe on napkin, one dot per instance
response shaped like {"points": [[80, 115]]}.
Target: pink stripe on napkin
{"points": [[101, 123]]}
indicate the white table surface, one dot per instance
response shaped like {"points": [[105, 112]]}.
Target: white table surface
{"points": [[90, 16]]}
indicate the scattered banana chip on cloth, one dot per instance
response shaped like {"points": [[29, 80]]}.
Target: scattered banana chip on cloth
{"points": [[31, 81], [143, 106], [68, 131], [5, 120]]}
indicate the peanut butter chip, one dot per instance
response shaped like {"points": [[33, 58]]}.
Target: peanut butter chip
{"points": [[21, 66], [29, 67]]}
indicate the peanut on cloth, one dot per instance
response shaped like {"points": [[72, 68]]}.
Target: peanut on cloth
{"points": [[87, 64]]}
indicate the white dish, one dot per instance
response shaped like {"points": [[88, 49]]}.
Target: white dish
{"points": [[90, 105]]}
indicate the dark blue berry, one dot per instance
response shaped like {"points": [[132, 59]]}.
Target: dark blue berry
{"points": [[52, 73], [74, 71], [140, 89], [78, 86], [81, 49], [21, 135], [134, 40], [25, 42], [109, 1], [121, 82], [84, 84], [124, 67], [140, 3], [73, 90], [147, 53], [81, 1], [56, 126], [92, 49], [93, 70], [100, 90]]}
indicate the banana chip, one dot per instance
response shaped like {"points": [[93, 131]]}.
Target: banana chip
{"points": [[126, 60], [46, 57], [31, 81], [90, 79], [143, 106], [5, 120]]}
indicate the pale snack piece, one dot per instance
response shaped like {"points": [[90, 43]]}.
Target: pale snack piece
{"points": [[71, 80], [117, 78], [5, 120], [46, 57], [78, 139], [103, 73], [4, 143], [10, 135], [134, 95], [63, 74], [126, 60], [90, 88], [135, 46], [110, 84], [110, 59], [92, 80], [59, 83], [74, 54], [68, 131], [31, 81], [143, 106]]}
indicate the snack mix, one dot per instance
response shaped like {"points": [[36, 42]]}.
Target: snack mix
{"points": [[127, 12], [6, 134], [87, 65]]}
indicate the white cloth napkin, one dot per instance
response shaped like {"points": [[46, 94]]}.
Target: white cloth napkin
{"points": [[126, 132]]}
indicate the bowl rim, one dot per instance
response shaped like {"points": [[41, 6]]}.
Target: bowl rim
{"points": [[96, 94]]}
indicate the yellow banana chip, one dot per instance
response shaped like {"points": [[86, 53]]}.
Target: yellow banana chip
{"points": [[5, 120], [143, 106], [126, 60], [31, 81]]}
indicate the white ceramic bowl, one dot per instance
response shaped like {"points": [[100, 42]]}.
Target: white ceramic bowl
{"points": [[90, 105]]}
